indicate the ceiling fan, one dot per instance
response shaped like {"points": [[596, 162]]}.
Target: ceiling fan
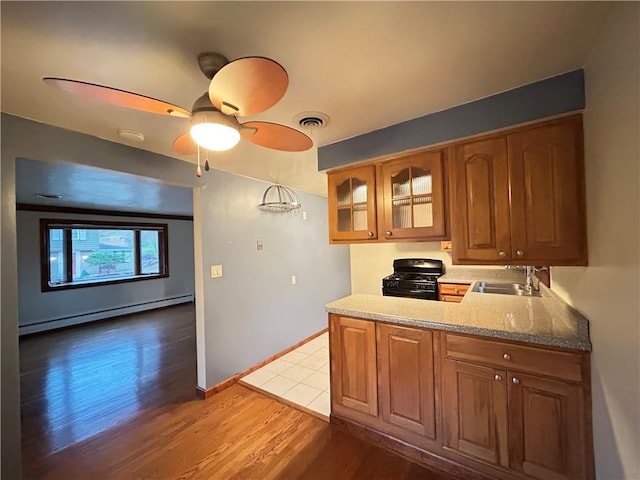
{"points": [[246, 86]]}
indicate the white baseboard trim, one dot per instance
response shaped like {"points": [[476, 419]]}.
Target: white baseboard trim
{"points": [[101, 315]]}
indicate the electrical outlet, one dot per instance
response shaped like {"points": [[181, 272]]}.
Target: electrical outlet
{"points": [[304, 215]]}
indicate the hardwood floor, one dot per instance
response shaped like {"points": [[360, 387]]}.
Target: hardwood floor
{"points": [[81, 381], [116, 400]]}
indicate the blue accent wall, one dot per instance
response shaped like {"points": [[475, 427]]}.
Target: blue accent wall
{"points": [[552, 96]]}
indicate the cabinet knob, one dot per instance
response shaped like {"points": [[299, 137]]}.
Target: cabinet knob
{"points": [[515, 380], [506, 356], [370, 234], [520, 253], [502, 254], [498, 377], [388, 234]]}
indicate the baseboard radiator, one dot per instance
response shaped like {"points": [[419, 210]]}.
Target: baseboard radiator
{"points": [[101, 314]]}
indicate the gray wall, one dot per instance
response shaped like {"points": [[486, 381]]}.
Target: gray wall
{"points": [[36, 306], [254, 302], [232, 311]]}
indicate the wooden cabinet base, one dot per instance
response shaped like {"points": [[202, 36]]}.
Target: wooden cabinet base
{"points": [[471, 406], [427, 459]]}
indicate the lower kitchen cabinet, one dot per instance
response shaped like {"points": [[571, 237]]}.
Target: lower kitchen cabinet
{"points": [[546, 427], [482, 408], [354, 386], [406, 382], [546, 436], [474, 402]]}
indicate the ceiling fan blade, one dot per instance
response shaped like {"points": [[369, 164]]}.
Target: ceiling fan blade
{"points": [[185, 145], [118, 97], [250, 84], [276, 136]]}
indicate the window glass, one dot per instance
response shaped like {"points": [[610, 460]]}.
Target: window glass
{"points": [[102, 253], [149, 252], [56, 257]]}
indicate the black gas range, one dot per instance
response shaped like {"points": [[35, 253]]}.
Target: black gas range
{"points": [[414, 277]]}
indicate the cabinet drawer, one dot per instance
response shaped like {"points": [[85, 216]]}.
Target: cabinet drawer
{"points": [[453, 288], [451, 298], [552, 363]]}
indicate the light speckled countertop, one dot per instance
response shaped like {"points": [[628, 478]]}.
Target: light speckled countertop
{"points": [[545, 320]]}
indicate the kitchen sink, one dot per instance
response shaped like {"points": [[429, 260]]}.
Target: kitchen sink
{"points": [[504, 289]]}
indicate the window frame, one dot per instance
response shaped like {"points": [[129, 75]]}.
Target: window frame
{"points": [[67, 225]]}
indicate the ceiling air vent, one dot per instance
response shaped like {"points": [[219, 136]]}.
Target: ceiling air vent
{"points": [[312, 120]]}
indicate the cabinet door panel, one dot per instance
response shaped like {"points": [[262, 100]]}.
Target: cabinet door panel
{"points": [[352, 205], [413, 197], [480, 206], [407, 398], [547, 193], [546, 430], [474, 400], [353, 365]]}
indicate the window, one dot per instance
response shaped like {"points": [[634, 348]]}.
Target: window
{"points": [[82, 254]]}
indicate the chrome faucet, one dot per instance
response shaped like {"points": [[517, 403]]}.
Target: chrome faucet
{"points": [[530, 271], [528, 284]]}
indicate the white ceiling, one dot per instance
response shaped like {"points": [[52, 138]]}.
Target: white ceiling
{"points": [[365, 64]]}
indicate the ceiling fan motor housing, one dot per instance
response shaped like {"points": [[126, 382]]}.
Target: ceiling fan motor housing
{"points": [[203, 111], [210, 63]]}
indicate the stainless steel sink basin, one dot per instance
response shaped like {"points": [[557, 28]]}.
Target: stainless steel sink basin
{"points": [[504, 289]]}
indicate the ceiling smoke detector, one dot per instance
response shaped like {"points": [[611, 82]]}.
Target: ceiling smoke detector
{"points": [[131, 135], [312, 120]]}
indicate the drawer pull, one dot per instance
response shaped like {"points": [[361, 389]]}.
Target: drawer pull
{"points": [[506, 356], [498, 378], [515, 380]]}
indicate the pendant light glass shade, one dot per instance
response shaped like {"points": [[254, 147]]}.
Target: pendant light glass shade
{"points": [[210, 130]]}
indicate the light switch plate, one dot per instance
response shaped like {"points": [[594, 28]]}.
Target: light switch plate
{"points": [[216, 271], [260, 245]]}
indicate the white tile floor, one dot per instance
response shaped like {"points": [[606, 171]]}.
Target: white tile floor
{"points": [[301, 376]]}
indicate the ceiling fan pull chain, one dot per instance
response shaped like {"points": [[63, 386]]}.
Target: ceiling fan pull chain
{"points": [[198, 169], [206, 160]]}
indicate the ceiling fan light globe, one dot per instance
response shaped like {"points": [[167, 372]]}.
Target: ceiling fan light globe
{"points": [[215, 136]]}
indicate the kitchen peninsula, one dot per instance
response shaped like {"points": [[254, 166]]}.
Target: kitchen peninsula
{"points": [[497, 386]]}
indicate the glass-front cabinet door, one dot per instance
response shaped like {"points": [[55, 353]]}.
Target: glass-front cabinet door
{"points": [[352, 205], [414, 197]]}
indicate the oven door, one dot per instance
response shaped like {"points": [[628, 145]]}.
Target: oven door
{"points": [[410, 293]]}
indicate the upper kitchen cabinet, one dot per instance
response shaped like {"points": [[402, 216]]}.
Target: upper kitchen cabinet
{"points": [[396, 200], [413, 197], [518, 197], [352, 204], [548, 213]]}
